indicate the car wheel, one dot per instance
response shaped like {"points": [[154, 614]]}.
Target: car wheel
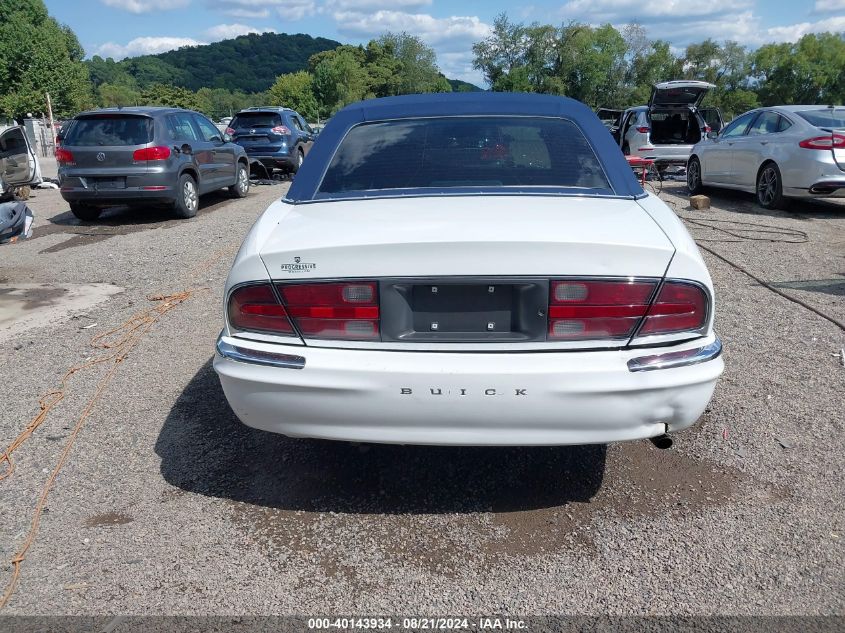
{"points": [[300, 157], [85, 212], [770, 188], [694, 176], [241, 186], [187, 199]]}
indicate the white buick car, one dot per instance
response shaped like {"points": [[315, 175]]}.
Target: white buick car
{"points": [[468, 269]]}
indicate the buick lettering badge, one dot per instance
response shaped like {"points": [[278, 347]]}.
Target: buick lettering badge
{"points": [[439, 391], [298, 266]]}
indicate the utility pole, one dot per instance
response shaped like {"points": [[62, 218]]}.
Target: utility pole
{"points": [[50, 117]]}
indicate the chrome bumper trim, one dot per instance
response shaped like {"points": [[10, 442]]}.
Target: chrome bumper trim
{"points": [[258, 357], [670, 360]]}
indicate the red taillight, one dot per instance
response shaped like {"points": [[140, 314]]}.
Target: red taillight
{"points": [[230, 131], [583, 309], [642, 129], [281, 129], [833, 141], [256, 309], [64, 157], [707, 129], [347, 310], [161, 152], [679, 307]]}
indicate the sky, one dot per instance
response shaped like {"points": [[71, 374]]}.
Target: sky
{"points": [[125, 28]]}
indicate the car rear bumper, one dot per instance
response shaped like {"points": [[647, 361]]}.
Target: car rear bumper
{"points": [[674, 155], [522, 399], [825, 188], [280, 161], [113, 197]]}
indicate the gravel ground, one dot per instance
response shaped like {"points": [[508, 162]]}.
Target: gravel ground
{"points": [[169, 506]]}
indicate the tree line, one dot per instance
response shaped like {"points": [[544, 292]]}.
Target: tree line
{"points": [[608, 67], [600, 65]]}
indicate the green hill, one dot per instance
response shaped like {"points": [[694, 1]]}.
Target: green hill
{"points": [[249, 63]]}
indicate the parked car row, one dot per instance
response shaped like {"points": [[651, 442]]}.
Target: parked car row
{"points": [[171, 156], [777, 153]]}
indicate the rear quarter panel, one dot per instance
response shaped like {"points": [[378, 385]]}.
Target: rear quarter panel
{"points": [[687, 262]]}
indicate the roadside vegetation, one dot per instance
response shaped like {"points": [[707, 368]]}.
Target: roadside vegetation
{"points": [[600, 65], [607, 67]]}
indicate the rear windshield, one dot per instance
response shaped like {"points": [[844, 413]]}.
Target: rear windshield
{"points": [[501, 153], [256, 119], [832, 118], [110, 130]]}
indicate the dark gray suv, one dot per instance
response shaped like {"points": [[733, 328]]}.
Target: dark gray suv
{"points": [[146, 156]]}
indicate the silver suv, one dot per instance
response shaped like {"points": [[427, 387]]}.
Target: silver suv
{"points": [[146, 156], [666, 129]]}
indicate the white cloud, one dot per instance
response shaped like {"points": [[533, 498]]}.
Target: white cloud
{"points": [[229, 31], [795, 32], [287, 9], [443, 34], [644, 11], [682, 23], [742, 27], [459, 66], [828, 6], [146, 6], [145, 46], [362, 6], [295, 9], [248, 13]]}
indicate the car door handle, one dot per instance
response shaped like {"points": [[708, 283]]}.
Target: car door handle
{"points": [[764, 142]]}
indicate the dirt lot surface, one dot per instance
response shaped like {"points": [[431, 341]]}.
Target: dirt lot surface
{"points": [[167, 504]]}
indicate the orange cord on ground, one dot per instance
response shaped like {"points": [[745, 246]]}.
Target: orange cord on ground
{"points": [[118, 343]]}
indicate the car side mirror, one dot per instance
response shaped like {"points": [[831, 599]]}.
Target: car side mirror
{"points": [[712, 135], [227, 138]]}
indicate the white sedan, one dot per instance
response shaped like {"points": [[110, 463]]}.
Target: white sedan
{"points": [[468, 269]]}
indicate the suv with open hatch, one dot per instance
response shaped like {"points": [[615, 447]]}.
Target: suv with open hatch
{"points": [[673, 121], [146, 156]]}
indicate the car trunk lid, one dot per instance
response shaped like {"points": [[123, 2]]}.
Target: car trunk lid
{"points": [[678, 93], [829, 120], [259, 129], [104, 145], [466, 270], [466, 236]]}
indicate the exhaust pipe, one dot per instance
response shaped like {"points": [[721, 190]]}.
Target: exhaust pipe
{"points": [[662, 441]]}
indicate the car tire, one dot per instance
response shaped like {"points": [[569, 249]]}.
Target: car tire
{"points": [[241, 186], [85, 212], [769, 188], [187, 197], [300, 158], [694, 183]]}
